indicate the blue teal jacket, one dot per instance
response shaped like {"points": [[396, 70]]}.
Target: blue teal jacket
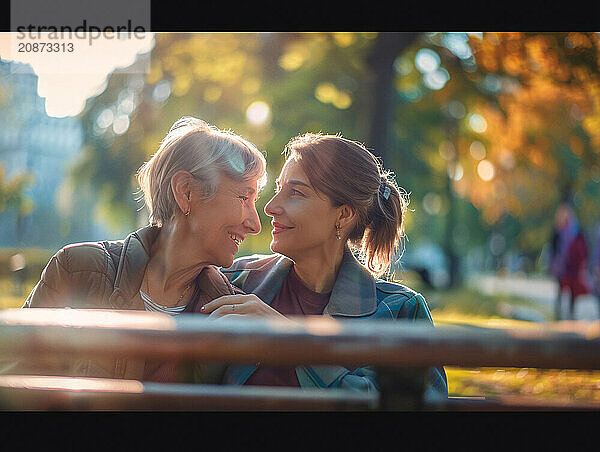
{"points": [[355, 294]]}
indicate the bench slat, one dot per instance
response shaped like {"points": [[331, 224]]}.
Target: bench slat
{"points": [[36, 333]]}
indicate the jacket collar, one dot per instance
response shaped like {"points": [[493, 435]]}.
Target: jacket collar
{"points": [[353, 293], [265, 279], [132, 265], [210, 283]]}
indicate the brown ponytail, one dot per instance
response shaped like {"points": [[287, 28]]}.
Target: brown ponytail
{"points": [[385, 227]]}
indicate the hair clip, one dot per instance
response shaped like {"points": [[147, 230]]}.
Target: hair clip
{"points": [[386, 192]]}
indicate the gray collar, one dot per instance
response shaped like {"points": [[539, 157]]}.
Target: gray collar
{"points": [[353, 293]]}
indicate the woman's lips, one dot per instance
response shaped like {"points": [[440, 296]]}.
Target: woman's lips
{"points": [[278, 227], [235, 244], [236, 240]]}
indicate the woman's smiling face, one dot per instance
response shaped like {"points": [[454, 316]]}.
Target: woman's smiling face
{"points": [[222, 222], [303, 219]]}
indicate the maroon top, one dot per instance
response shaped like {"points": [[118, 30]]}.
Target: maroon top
{"points": [[293, 298]]}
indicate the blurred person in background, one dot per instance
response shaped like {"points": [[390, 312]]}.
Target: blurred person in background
{"points": [[200, 188], [569, 258], [332, 197], [595, 265]]}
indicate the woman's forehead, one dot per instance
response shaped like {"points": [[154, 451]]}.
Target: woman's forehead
{"points": [[292, 170], [292, 173], [246, 186]]}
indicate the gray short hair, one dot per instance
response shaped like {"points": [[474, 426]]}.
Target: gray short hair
{"points": [[206, 152]]}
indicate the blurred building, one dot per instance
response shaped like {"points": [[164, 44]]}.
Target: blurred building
{"points": [[43, 146]]}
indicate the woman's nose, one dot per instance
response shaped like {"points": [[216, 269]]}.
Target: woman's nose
{"points": [[272, 207], [252, 221]]}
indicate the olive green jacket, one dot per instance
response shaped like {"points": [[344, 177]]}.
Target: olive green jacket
{"points": [[105, 275]]}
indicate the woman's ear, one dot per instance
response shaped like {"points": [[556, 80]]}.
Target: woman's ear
{"points": [[346, 216], [182, 189]]}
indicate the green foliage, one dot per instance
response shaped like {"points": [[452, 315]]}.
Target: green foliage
{"points": [[12, 193]]}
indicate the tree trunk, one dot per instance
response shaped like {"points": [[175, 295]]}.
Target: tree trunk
{"points": [[386, 49], [454, 274], [455, 277]]}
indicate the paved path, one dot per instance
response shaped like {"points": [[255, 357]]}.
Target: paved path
{"points": [[541, 291]]}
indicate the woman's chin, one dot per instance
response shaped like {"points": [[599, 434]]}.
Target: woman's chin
{"points": [[226, 262], [275, 247], [278, 247]]}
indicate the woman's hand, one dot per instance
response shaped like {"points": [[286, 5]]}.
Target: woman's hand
{"points": [[249, 305]]}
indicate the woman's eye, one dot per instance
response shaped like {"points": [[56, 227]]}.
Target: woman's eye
{"points": [[290, 191], [245, 198]]}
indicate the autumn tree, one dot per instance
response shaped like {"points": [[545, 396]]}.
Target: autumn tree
{"points": [[543, 138], [501, 127]]}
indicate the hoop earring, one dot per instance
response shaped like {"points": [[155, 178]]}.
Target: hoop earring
{"points": [[338, 228]]}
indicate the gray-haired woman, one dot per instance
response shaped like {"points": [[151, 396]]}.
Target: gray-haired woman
{"points": [[200, 188]]}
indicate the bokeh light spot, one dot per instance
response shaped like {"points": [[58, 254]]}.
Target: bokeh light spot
{"points": [[105, 118], [456, 173], [477, 123], [477, 150], [121, 124], [436, 79], [326, 92], [427, 60], [486, 170], [456, 109], [447, 150], [432, 203], [162, 91], [258, 113]]}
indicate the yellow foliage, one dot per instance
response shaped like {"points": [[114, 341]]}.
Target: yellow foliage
{"points": [[344, 39], [151, 143], [579, 40], [155, 74], [10, 301], [591, 124], [291, 61], [369, 34], [212, 94], [251, 85], [181, 85], [342, 100], [295, 56], [513, 64], [550, 385], [326, 92]]}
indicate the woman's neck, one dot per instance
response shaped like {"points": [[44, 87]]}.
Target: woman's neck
{"points": [[170, 267], [319, 271]]}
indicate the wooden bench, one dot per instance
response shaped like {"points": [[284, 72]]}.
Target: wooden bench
{"points": [[400, 350]]}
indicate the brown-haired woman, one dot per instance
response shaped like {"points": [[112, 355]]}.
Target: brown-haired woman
{"points": [[332, 198]]}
